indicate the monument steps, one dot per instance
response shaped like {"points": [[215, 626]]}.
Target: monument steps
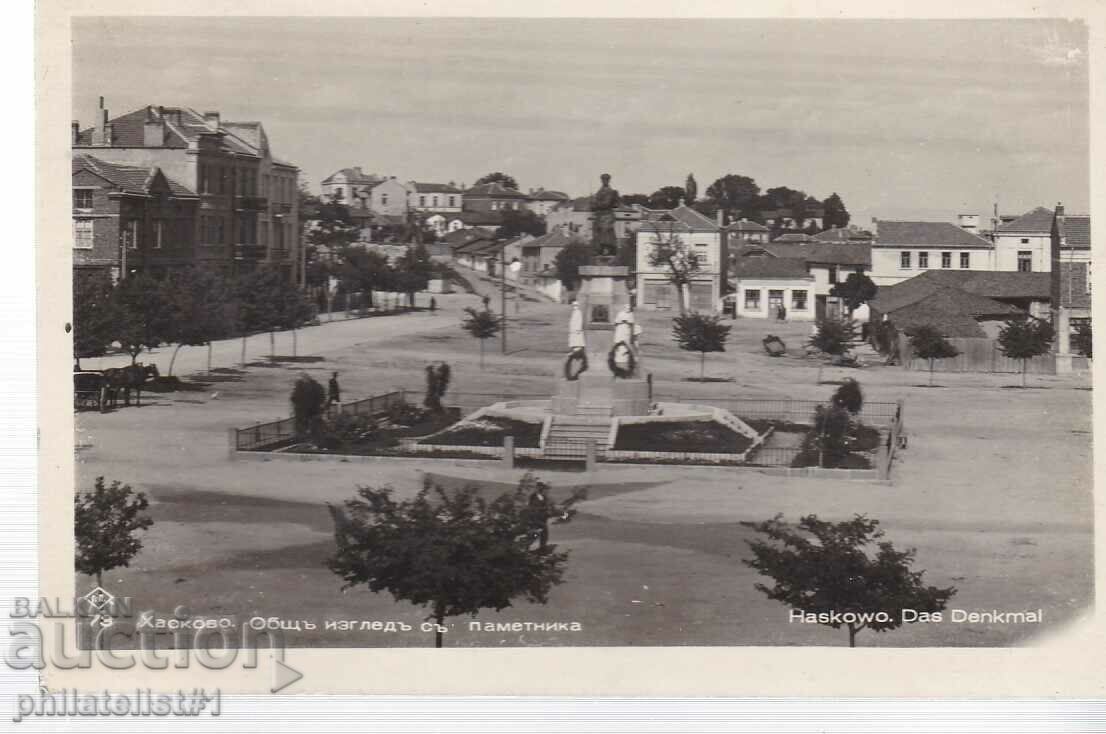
{"points": [[569, 436]]}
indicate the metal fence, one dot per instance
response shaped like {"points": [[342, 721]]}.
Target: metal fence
{"points": [[264, 435], [794, 411]]}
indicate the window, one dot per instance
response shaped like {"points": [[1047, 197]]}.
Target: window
{"points": [[946, 259], [833, 274], [1025, 240], [131, 234], [82, 198], [752, 299], [1025, 261], [82, 234], [798, 300], [422, 201], [965, 260], [451, 200], [434, 202], [384, 199], [923, 259], [904, 261], [157, 234]]}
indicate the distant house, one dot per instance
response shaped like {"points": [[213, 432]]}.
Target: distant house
{"points": [[434, 197], [903, 249], [843, 234], [539, 262], [1070, 279], [764, 285], [745, 230], [788, 219], [574, 217], [827, 264], [793, 237], [467, 220], [389, 197], [494, 197], [469, 247], [1029, 293], [706, 240], [1024, 244], [952, 311], [542, 202], [351, 186]]}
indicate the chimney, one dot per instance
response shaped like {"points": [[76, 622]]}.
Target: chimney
{"points": [[721, 218], [1059, 209], [153, 130], [76, 127], [100, 134], [211, 119]]}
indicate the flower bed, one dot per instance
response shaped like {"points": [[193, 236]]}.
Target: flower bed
{"points": [[691, 436], [488, 431]]}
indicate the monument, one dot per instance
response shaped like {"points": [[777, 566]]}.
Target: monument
{"points": [[603, 374]]}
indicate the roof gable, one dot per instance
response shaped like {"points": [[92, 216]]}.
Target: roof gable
{"points": [[1034, 220], [932, 234]]}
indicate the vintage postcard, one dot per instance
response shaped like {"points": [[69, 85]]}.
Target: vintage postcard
{"points": [[475, 353]]}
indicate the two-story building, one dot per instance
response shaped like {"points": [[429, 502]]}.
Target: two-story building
{"points": [[1024, 244], [390, 197], [248, 210], [1070, 278], [903, 249], [685, 228], [435, 197], [574, 218], [542, 201], [128, 219], [494, 197], [350, 186]]}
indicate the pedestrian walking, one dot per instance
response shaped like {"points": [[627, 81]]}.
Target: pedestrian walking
{"points": [[539, 516], [433, 305], [333, 392]]}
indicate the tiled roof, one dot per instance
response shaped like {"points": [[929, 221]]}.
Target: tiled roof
{"points": [[1035, 220], [1077, 231], [182, 126], [932, 234], [462, 237], [681, 219], [772, 267], [495, 190], [433, 188], [134, 179], [355, 176], [543, 195], [745, 225], [842, 234], [820, 253], [556, 238], [986, 285], [793, 237], [950, 310]]}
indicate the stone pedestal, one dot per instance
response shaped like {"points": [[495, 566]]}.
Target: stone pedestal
{"points": [[600, 393], [604, 290]]}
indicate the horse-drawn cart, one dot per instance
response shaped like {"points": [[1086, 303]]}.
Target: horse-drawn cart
{"points": [[90, 390]]}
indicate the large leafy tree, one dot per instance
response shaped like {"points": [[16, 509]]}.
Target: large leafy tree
{"points": [[143, 313], [106, 525], [412, 271], [736, 195], [702, 333], [520, 222], [202, 305], [569, 260], [481, 325], [834, 212], [930, 344], [667, 197], [508, 182], [856, 290], [1025, 339], [451, 552], [94, 316], [268, 301], [365, 271], [842, 574]]}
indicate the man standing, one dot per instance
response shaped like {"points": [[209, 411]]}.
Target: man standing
{"points": [[333, 392]]}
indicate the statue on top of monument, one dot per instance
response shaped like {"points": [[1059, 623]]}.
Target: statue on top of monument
{"points": [[603, 205]]}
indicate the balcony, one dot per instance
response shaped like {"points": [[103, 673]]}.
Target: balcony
{"points": [[251, 203], [249, 252]]}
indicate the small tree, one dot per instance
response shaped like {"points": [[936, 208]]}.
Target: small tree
{"points": [[482, 325], [833, 338], [1083, 339], [450, 551], [826, 570], [106, 522], [308, 403], [412, 271], [200, 301], [856, 290], [677, 258], [830, 434], [568, 262], [365, 271], [437, 382], [503, 179], [930, 344], [700, 333], [269, 301], [1025, 339], [849, 396]]}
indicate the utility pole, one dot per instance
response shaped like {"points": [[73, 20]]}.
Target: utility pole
{"points": [[503, 296]]}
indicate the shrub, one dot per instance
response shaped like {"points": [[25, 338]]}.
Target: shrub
{"points": [[831, 433], [343, 428], [849, 396], [406, 414], [308, 401]]}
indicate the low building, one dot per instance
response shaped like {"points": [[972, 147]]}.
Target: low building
{"points": [[903, 249], [540, 254], [467, 246], [129, 219], [470, 219], [1070, 280], [1029, 293], [747, 231], [494, 197], [771, 287], [704, 238]]}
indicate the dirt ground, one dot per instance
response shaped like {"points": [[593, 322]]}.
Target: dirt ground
{"points": [[994, 492]]}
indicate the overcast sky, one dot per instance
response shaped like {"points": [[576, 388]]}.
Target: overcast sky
{"points": [[921, 119]]}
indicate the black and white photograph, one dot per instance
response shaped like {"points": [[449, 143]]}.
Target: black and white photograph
{"points": [[582, 332]]}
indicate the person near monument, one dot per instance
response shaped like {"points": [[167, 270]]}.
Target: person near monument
{"points": [[603, 205], [576, 328], [627, 331]]}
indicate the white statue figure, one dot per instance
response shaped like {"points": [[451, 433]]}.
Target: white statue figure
{"points": [[627, 330], [576, 328]]}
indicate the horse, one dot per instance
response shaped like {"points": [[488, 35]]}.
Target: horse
{"points": [[125, 379]]}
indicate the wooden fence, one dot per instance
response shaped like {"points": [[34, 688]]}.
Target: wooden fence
{"points": [[976, 355]]}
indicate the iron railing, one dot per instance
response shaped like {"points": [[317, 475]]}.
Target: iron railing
{"points": [[263, 435]]}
